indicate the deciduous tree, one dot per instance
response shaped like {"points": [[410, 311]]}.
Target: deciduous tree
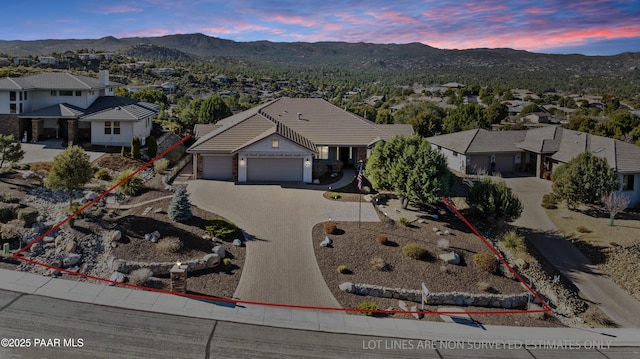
{"points": [[584, 179]]}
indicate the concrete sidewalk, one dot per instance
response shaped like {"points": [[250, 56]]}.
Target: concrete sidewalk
{"points": [[301, 319]]}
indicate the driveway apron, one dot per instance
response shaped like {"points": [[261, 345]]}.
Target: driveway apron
{"points": [[280, 265], [620, 306]]}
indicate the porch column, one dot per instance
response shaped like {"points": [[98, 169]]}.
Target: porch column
{"points": [[37, 129], [72, 131], [539, 166]]}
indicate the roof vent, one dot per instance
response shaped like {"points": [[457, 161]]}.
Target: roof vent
{"points": [[299, 116]]}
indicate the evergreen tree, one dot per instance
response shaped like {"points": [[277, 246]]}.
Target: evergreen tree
{"points": [[71, 170], [584, 179], [180, 208], [9, 150], [152, 146], [135, 148]]}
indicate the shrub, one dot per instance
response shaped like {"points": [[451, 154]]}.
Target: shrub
{"points": [[330, 228], [549, 201], [152, 146], [139, 276], [342, 269], [10, 199], [443, 243], [582, 229], [613, 244], [378, 263], [546, 175], [176, 154], [169, 245], [131, 186], [334, 195], [7, 212], [123, 151], [28, 215], [135, 148], [180, 208], [414, 251], [226, 261], [513, 241], [41, 166], [486, 261], [485, 287], [220, 228], [160, 165], [382, 238], [366, 307], [492, 198], [102, 174], [404, 221]]}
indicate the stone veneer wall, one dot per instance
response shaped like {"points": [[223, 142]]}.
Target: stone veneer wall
{"points": [[453, 298], [10, 125], [163, 268]]}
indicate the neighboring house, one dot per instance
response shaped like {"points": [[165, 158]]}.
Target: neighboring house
{"points": [[283, 140], [538, 151], [48, 60], [537, 117], [56, 104]]}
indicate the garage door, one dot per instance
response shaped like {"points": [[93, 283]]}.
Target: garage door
{"points": [[217, 167], [274, 169]]}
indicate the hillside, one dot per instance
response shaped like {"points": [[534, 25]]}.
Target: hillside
{"points": [[384, 56]]}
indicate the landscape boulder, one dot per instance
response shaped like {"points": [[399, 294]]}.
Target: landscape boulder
{"points": [[117, 277], [451, 258], [211, 260], [348, 287], [71, 247], [71, 260], [220, 251], [327, 242], [116, 235], [237, 242]]}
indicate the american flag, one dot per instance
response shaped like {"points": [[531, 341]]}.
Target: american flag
{"points": [[360, 179]]}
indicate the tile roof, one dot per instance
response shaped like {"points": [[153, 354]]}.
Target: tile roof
{"points": [[496, 141], [309, 122], [52, 81], [457, 141], [107, 108], [201, 129]]}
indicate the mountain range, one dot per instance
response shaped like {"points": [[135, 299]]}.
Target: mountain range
{"points": [[410, 56]]}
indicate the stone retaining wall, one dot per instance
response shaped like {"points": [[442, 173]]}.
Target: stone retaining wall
{"points": [[162, 268], [452, 298]]}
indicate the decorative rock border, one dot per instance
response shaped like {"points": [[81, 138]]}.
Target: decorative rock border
{"points": [[162, 268], [452, 298]]}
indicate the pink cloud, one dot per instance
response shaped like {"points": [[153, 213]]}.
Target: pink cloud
{"points": [[119, 9]]}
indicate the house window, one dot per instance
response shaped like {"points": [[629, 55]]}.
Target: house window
{"points": [[455, 154], [627, 182], [21, 108], [275, 143], [25, 96], [78, 93], [12, 108], [65, 93], [323, 152], [12, 95], [107, 127], [54, 93], [116, 127]]}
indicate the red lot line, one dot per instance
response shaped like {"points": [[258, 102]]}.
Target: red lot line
{"points": [[18, 256]]}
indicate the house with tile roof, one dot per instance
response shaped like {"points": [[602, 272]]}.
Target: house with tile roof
{"points": [[537, 151], [282, 140], [64, 105]]}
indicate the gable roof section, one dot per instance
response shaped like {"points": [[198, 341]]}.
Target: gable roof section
{"points": [[397, 129], [201, 129], [542, 140], [52, 81], [231, 136], [115, 108], [308, 122], [457, 141], [323, 123], [495, 141], [63, 110]]}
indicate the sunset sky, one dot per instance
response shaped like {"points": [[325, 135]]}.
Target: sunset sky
{"points": [[591, 27]]}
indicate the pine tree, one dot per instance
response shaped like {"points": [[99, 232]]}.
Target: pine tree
{"points": [[135, 148], [180, 208], [152, 146]]}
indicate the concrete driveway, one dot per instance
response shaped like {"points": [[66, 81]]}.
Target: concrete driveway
{"points": [[612, 300], [280, 265], [45, 151]]}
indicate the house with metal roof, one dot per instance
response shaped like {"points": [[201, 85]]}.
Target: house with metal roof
{"points": [[284, 139], [64, 105], [537, 151]]}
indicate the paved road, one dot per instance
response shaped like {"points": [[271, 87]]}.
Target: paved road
{"points": [[615, 302], [108, 332], [280, 266]]}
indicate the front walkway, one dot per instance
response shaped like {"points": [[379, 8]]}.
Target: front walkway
{"points": [[280, 266], [620, 306]]}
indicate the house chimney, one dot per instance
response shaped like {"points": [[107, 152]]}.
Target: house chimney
{"points": [[103, 77]]}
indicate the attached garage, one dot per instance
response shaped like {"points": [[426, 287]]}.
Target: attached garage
{"points": [[217, 167], [274, 169]]}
